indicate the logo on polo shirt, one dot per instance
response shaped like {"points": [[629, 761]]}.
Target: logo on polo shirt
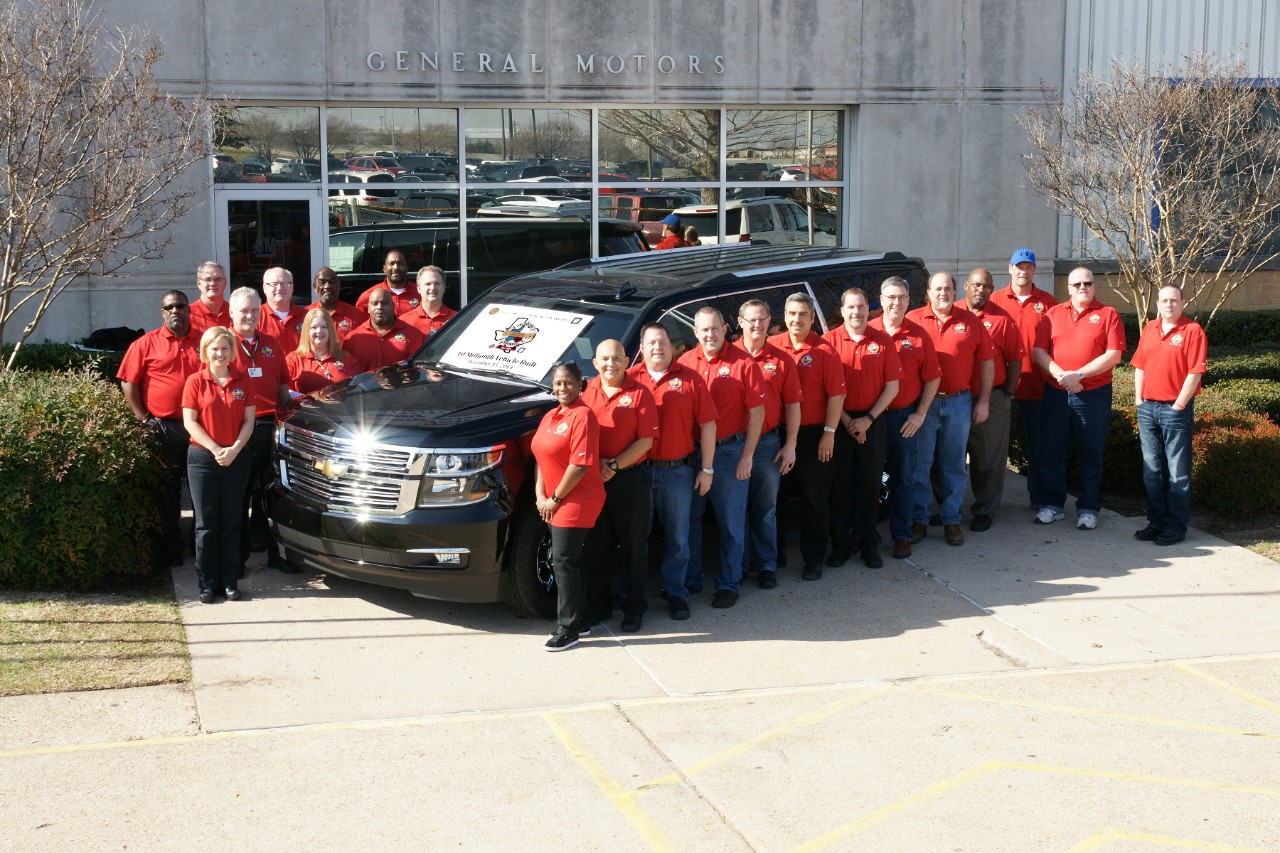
{"points": [[806, 360], [676, 384], [340, 365], [769, 367], [1176, 340], [344, 324], [237, 393], [562, 428], [873, 348], [625, 401], [297, 327], [724, 370], [1038, 307], [962, 328], [1095, 319], [399, 337], [907, 343], [268, 352], [414, 302], [986, 324]]}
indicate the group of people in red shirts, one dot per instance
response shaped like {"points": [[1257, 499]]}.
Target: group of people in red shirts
{"points": [[209, 381]]}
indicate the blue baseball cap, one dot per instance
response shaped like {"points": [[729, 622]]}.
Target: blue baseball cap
{"points": [[1022, 256], [670, 219]]}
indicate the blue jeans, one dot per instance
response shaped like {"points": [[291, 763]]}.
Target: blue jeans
{"points": [[671, 491], [728, 496], [1166, 464], [762, 503], [1086, 417], [900, 463], [944, 437]]}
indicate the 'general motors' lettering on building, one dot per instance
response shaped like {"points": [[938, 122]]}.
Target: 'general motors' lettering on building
{"points": [[532, 63]]}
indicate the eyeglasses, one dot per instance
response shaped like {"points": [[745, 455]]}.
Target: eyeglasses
{"points": [[276, 285], [169, 309], [1080, 284]]}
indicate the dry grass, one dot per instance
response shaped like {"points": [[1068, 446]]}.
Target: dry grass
{"points": [[52, 642]]}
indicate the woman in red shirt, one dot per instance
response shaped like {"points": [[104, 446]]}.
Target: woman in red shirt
{"points": [[319, 360], [569, 492], [217, 410]]}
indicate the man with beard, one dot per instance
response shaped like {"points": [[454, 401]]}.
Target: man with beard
{"points": [[385, 338]]}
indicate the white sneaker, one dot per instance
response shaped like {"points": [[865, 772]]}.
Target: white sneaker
{"points": [[1048, 515], [1087, 521]]}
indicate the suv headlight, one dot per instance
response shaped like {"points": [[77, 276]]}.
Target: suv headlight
{"points": [[456, 477]]}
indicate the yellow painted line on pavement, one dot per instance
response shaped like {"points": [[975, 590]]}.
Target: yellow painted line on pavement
{"points": [[986, 768], [624, 801], [1107, 836], [1091, 712], [1230, 688], [764, 737]]}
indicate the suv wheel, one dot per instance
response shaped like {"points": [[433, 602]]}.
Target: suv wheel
{"points": [[531, 588]]}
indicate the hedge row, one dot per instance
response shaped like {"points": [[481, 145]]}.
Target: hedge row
{"points": [[1230, 329], [79, 478], [49, 356]]}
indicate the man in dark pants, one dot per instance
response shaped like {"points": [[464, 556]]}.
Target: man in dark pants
{"points": [[261, 358], [628, 418], [871, 374], [152, 376], [822, 386]]}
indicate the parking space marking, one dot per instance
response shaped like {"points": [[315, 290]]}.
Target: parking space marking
{"points": [[623, 800], [1092, 712], [988, 767], [1230, 688], [1107, 836]]}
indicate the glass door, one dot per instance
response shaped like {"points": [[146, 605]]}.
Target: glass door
{"points": [[260, 229]]}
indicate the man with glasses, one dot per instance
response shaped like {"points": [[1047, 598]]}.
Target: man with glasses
{"points": [[152, 376], [281, 319], [211, 308], [1077, 345], [327, 289]]}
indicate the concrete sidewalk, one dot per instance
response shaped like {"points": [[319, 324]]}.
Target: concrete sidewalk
{"points": [[1039, 688]]}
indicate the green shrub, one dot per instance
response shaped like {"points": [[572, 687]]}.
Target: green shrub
{"points": [[1253, 363], [50, 356], [1257, 396], [1236, 457], [1240, 329], [79, 478]]}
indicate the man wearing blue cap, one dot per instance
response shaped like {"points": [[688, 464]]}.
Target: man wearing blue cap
{"points": [[671, 235]]}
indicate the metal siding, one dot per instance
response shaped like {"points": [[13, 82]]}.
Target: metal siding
{"points": [[1177, 29]]}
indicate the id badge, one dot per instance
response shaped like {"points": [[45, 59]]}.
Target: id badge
{"points": [[255, 372]]}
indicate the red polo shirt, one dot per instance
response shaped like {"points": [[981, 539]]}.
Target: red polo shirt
{"points": [[370, 350], [868, 365], [819, 371], [308, 373], [263, 361], [684, 404], [1007, 340], [1166, 359], [628, 415], [781, 381], [345, 318], [202, 318], [1027, 315], [429, 325], [287, 331], [405, 302], [159, 363], [918, 357], [735, 382], [219, 408], [564, 438], [1074, 340], [960, 341]]}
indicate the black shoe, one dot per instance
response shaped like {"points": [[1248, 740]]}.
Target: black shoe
{"points": [[694, 588], [782, 560], [233, 594], [678, 607], [980, 523], [1146, 534], [871, 557], [767, 579], [631, 623], [812, 572], [206, 596], [1168, 539], [561, 640], [725, 598], [584, 630], [838, 558]]}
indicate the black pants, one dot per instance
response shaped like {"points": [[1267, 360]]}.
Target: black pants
{"points": [[216, 494], [173, 440], [855, 490], [810, 481], [566, 562], [624, 522], [260, 476]]}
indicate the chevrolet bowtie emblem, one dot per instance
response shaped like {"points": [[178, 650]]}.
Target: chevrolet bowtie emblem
{"points": [[330, 469]]}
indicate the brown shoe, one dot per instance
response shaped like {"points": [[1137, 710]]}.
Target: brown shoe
{"points": [[918, 532], [901, 549], [953, 534]]}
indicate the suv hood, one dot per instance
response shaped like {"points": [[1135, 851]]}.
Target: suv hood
{"points": [[413, 406]]}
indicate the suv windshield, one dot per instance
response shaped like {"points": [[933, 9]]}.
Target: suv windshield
{"points": [[524, 336]]}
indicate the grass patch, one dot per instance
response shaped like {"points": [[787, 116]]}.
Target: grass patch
{"points": [[58, 642]]}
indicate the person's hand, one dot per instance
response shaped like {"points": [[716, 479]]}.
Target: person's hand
{"points": [[826, 446], [606, 473], [744, 467], [860, 427], [546, 509], [224, 456], [702, 483], [980, 412], [912, 424], [786, 458]]}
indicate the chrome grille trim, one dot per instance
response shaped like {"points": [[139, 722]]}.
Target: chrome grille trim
{"points": [[333, 472]]}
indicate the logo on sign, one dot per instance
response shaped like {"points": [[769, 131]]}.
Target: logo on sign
{"points": [[516, 335]]}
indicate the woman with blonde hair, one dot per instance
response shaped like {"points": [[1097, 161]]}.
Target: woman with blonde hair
{"points": [[319, 360], [218, 410]]}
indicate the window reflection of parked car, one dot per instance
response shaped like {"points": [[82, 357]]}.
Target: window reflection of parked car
{"points": [[644, 207], [307, 169], [756, 220], [749, 171], [373, 164], [280, 165], [374, 188]]}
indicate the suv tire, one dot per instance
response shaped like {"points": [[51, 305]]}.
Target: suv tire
{"points": [[531, 586]]}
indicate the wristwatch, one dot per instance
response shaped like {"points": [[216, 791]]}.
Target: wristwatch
{"points": [[828, 429], [709, 471], [612, 465]]}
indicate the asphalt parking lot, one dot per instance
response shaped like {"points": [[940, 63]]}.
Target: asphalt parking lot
{"points": [[1035, 689]]}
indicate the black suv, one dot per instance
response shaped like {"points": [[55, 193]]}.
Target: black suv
{"points": [[417, 476], [498, 247]]}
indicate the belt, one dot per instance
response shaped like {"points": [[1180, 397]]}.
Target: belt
{"points": [[668, 463], [945, 395], [265, 419], [730, 439], [910, 405]]}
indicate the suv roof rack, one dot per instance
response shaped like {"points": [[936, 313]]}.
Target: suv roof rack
{"points": [[728, 258]]}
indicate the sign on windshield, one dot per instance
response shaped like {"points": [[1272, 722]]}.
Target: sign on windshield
{"points": [[519, 339]]}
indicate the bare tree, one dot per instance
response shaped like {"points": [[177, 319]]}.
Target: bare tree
{"points": [[1172, 174], [346, 137], [262, 131], [303, 137], [92, 154], [552, 138]]}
